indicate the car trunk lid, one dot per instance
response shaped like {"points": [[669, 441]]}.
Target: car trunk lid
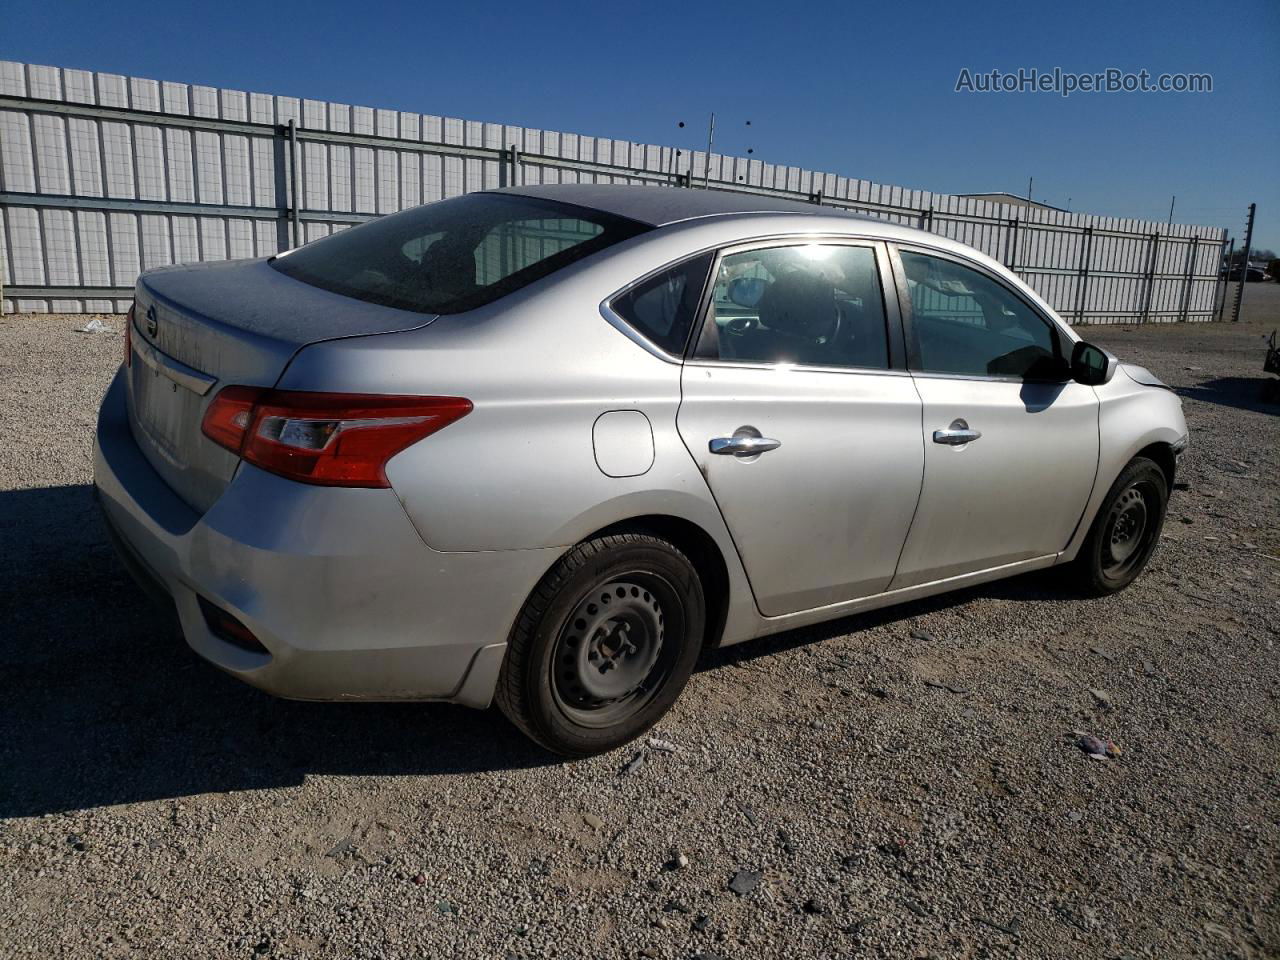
{"points": [[199, 328]]}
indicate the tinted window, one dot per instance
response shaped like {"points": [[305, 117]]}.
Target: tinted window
{"points": [[663, 307], [817, 304], [457, 254], [964, 322]]}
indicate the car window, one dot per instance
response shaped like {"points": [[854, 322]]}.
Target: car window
{"points": [[457, 254], [817, 304], [512, 245], [662, 308], [964, 322]]}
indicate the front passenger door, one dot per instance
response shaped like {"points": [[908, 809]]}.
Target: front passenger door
{"points": [[1011, 442]]}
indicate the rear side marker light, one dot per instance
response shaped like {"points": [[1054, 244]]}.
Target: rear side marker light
{"points": [[330, 439], [228, 629]]}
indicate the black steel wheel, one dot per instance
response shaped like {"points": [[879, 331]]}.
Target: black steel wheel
{"points": [[612, 653], [604, 645], [1126, 529]]}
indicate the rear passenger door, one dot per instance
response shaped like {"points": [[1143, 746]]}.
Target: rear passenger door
{"points": [[1011, 442], [798, 409]]}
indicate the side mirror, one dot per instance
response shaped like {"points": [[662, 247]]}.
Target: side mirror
{"points": [[1091, 365], [746, 291]]}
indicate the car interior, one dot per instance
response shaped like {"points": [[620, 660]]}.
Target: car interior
{"points": [[964, 323], [788, 305]]}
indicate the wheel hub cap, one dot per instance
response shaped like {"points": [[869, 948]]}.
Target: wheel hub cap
{"points": [[610, 644], [1127, 527]]}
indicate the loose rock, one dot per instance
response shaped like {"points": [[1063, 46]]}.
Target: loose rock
{"points": [[745, 881]]}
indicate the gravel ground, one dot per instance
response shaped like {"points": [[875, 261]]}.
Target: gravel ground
{"points": [[902, 784]]}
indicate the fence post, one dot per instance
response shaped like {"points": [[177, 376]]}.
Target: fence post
{"points": [[1186, 280], [514, 178], [926, 219], [280, 184], [1152, 255], [1082, 272], [816, 197], [1011, 245], [1244, 264], [295, 201], [1224, 281]]}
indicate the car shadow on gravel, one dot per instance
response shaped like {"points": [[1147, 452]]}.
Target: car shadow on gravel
{"points": [[1038, 586], [1244, 393], [104, 703]]}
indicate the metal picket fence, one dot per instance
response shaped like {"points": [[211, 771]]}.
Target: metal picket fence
{"points": [[102, 176]]}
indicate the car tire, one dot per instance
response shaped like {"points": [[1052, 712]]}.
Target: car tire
{"points": [[1126, 529], [604, 645]]}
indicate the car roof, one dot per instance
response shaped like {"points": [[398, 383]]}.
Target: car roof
{"points": [[699, 210], [658, 206]]}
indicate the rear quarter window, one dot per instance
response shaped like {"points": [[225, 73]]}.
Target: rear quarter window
{"points": [[662, 308]]}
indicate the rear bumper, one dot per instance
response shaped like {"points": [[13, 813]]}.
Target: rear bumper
{"points": [[335, 583]]}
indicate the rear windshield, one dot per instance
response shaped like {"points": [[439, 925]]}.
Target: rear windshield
{"points": [[457, 254]]}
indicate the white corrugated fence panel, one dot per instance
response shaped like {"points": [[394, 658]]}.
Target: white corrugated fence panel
{"points": [[157, 173]]}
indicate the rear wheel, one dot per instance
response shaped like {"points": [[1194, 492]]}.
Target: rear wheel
{"points": [[604, 645], [1126, 530]]}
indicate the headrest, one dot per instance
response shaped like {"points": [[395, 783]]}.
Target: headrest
{"points": [[800, 304]]}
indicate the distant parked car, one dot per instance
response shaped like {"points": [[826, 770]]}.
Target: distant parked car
{"points": [[1252, 275], [545, 445]]}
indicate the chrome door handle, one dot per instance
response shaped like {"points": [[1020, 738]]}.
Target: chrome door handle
{"points": [[743, 446], [957, 434]]}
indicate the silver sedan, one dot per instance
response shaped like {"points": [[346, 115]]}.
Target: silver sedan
{"points": [[545, 445]]}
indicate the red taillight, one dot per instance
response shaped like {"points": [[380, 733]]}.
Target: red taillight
{"points": [[128, 337], [227, 420], [332, 439]]}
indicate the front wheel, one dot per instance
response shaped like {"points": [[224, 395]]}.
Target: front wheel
{"points": [[1126, 530], [604, 645]]}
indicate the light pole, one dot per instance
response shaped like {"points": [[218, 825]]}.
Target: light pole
{"points": [[711, 139], [706, 166]]}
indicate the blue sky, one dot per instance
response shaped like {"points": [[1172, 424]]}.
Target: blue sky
{"points": [[865, 90]]}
